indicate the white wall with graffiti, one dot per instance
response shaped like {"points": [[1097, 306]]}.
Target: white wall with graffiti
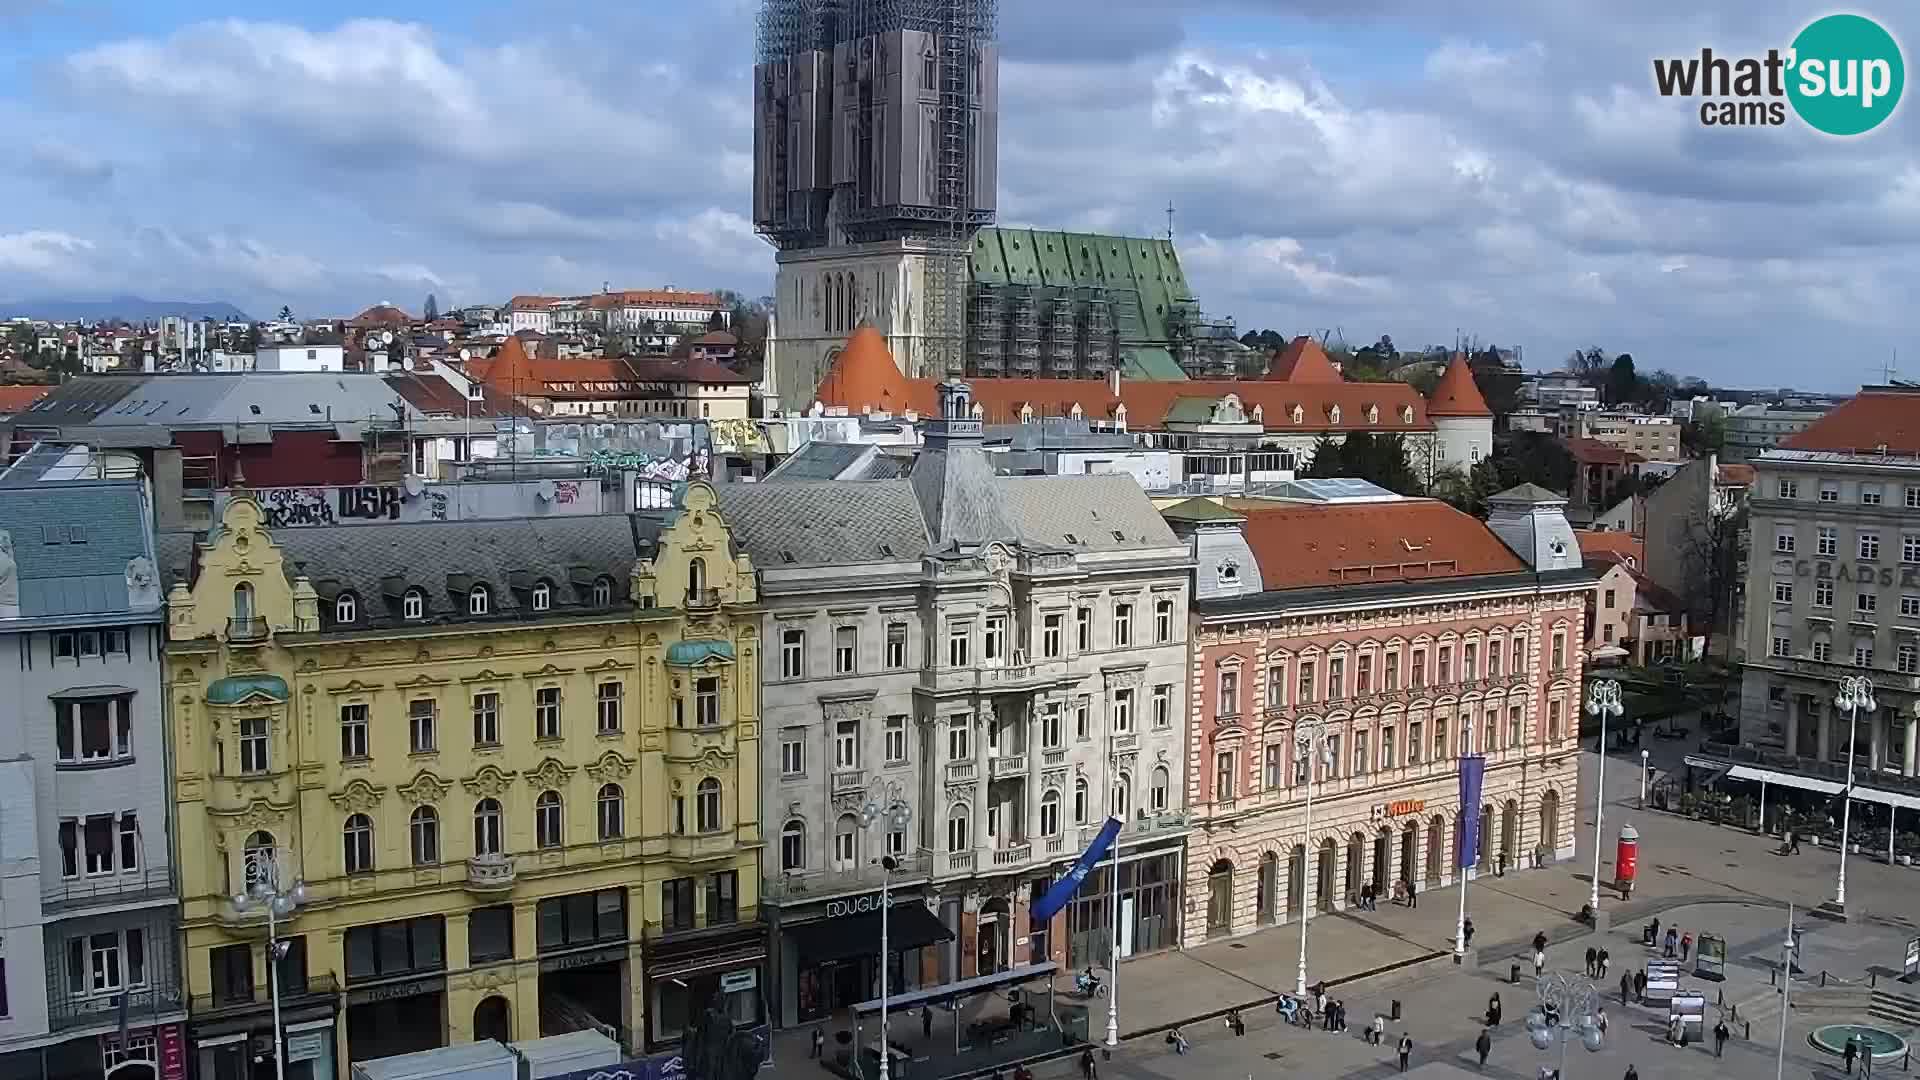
{"points": [[304, 507]]}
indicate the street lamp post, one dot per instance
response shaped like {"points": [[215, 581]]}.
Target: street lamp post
{"points": [[1567, 1005], [1643, 779], [1856, 693], [1309, 743], [1113, 898], [886, 805], [1603, 700], [1787, 949], [272, 888]]}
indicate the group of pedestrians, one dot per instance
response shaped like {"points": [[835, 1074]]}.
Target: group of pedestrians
{"points": [[1597, 961]]}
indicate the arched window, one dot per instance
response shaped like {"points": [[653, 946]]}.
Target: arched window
{"points": [[346, 608], [542, 596], [1157, 795], [546, 819], [479, 600], [603, 592], [706, 805], [696, 578], [486, 827], [613, 812], [957, 825], [1050, 813], [413, 605], [424, 829], [256, 857], [1122, 796], [359, 844], [1080, 800], [793, 846], [846, 842], [243, 602], [833, 303]]}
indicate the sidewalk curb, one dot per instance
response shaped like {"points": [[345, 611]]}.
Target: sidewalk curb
{"points": [[1215, 1014]]}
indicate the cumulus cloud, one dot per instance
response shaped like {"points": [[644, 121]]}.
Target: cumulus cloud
{"points": [[1377, 165]]}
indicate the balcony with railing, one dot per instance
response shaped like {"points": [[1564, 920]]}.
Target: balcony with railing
{"points": [[145, 1007], [848, 780], [1012, 854], [703, 599], [956, 862], [242, 1000], [793, 886], [1007, 766], [1019, 677], [962, 770], [490, 873], [122, 889], [252, 629]]}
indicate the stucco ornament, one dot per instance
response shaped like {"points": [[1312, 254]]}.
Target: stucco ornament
{"points": [[425, 788], [358, 796], [491, 781], [550, 773], [610, 766], [143, 584]]}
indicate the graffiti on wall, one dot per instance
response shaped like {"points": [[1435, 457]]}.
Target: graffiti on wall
{"points": [[288, 508], [566, 492], [307, 507]]}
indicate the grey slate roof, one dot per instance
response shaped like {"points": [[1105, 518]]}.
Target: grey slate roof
{"points": [[72, 541], [183, 400], [378, 562], [1083, 513], [824, 523], [820, 461]]}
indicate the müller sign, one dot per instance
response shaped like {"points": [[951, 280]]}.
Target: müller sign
{"points": [[859, 905]]}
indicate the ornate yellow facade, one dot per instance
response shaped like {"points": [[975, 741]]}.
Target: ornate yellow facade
{"points": [[526, 751]]}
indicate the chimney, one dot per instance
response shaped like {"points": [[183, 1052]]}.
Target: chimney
{"points": [[1113, 382]]}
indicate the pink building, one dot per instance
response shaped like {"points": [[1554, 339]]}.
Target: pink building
{"points": [[1417, 634]]}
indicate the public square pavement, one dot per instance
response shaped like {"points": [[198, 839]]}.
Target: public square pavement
{"points": [[1699, 876]]}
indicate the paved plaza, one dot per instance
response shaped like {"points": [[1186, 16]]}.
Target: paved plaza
{"points": [[1698, 876]]}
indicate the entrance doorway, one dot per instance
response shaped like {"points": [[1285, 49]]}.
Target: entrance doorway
{"points": [[1356, 851], [571, 998], [992, 951], [1436, 843], [1550, 822], [1409, 850], [1220, 899], [1382, 860], [402, 1025], [1485, 839], [1323, 875], [1267, 892], [1509, 833], [1297, 881], [493, 1019]]}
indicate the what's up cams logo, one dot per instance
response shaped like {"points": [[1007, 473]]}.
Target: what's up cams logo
{"points": [[1842, 76]]}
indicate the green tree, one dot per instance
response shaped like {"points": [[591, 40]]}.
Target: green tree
{"points": [[286, 313], [1622, 384], [1363, 455]]}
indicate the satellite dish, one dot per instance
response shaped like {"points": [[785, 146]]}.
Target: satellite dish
{"points": [[386, 337]]}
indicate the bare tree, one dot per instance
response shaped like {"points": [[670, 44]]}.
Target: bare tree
{"points": [[1710, 552]]}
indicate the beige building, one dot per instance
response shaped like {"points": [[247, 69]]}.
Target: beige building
{"points": [[1656, 438]]}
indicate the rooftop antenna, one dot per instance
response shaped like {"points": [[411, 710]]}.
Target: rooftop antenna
{"points": [[1169, 221], [1892, 366]]}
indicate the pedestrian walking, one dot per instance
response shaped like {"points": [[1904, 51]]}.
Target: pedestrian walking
{"points": [[1493, 1010], [1686, 946], [1640, 986], [1720, 1034], [1539, 962], [1604, 961], [1340, 1017], [1088, 1071], [1626, 988], [1540, 941], [1179, 1040], [1600, 1017], [1672, 943], [1377, 1032], [1238, 1025], [1466, 932], [926, 1021], [819, 1042], [1406, 1048], [1593, 962], [1483, 1046], [1413, 894], [1632, 1073], [1847, 1054]]}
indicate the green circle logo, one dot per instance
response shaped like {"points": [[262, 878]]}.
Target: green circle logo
{"points": [[1847, 75]]}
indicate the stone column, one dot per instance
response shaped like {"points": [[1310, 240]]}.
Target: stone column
{"points": [[1907, 764], [1796, 712], [1823, 743], [1877, 722]]}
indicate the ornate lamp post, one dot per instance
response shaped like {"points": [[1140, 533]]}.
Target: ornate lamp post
{"points": [[1309, 743], [1787, 950], [272, 887], [1856, 693], [1603, 700], [886, 806], [1567, 1004]]}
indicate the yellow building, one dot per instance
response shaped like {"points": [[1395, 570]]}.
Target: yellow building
{"points": [[513, 766]]}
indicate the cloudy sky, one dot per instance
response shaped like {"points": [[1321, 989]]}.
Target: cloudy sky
{"points": [[1375, 166]]}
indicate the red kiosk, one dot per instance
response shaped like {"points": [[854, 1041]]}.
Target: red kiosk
{"points": [[1626, 860]]}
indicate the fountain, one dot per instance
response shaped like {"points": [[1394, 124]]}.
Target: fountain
{"points": [[1884, 1045]]}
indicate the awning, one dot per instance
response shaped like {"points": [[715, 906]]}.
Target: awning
{"points": [[909, 926], [1804, 783], [953, 991]]}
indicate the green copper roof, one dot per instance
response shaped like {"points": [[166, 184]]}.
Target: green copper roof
{"points": [[692, 653], [237, 688]]}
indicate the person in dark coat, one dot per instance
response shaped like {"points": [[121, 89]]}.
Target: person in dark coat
{"points": [[1593, 962], [1640, 986], [1483, 1046], [926, 1021], [1088, 1070], [1720, 1035], [1848, 1053], [1406, 1048], [1604, 960], [1626, 988]]}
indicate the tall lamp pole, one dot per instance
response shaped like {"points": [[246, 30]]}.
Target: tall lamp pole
{"points": [[886, 805], [1787, 949], [1309, 744], [1856, 693], [273, 888], [1113, 897], [1603, 700], [1567, 1006]]}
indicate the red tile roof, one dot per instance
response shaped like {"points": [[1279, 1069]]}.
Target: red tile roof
{"points": [[531, 303], [1736, 475], [15, 398], [664, 298], [1456, 394], [1595, 452], [1598, 542], [1876, 419], [381, 315], [864, 376], [435, 396], [1302, 361], [1405, 540]]}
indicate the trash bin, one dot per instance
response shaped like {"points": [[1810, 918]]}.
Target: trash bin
{"points": [[1395, 1011], [1513, 973]]}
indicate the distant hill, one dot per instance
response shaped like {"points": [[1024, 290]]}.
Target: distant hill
{"points": [[129, 308]]}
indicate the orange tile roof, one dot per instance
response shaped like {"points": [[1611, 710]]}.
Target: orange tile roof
{"points": [[15, 398], [1595, 452], [1456, 394], [666, 297], [1302, 361], [1598, 542], [509, 368], [1736, 475], [381, 315], [1405, 540], [531, 303], [865, 376], [1874, 418]]}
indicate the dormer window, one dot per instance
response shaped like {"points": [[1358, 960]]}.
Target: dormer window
{"points": [[1333, 415], [603, 592], [479, 600], [413, 605], [542, 596], [1373, 414], [346, 609], [1229, 573], [1299, 415], [1406, 414]]}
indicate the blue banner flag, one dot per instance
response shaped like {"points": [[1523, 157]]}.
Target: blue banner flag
{"points": [[1069, 883], [1472, 770]]}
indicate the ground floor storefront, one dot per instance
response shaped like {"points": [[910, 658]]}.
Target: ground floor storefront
{"points": [[1257, 868], [685, 973], [156, 1052]]}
